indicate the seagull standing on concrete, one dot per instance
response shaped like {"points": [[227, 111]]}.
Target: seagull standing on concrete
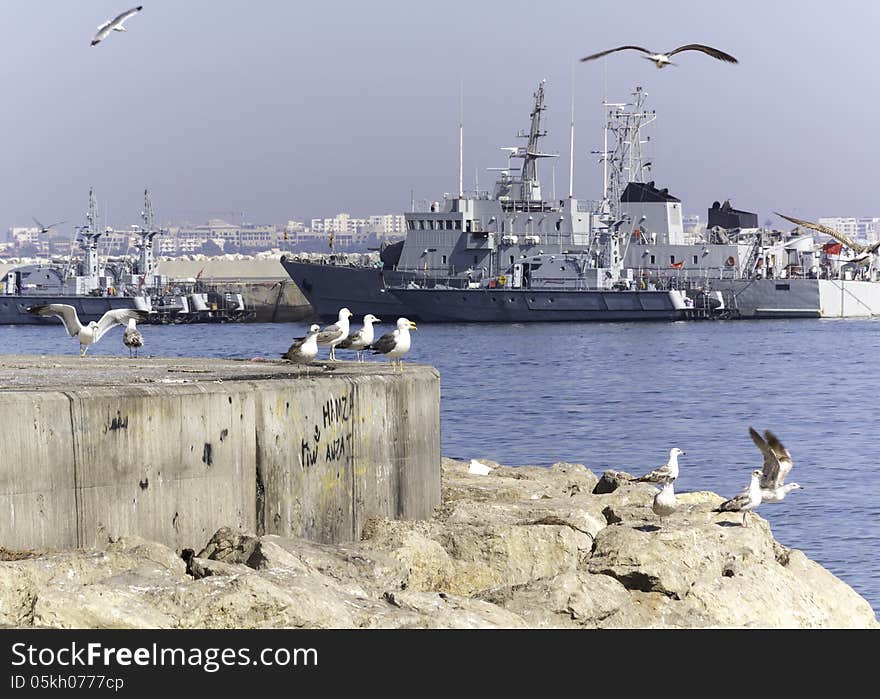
{"points": [[747, 500], [115, 24], [304, 349], [91, 333], [396, 343], [666, 472], [132, 337], [664, 502], [777, 464], [661, 60], [362, 339], [334, 334]]}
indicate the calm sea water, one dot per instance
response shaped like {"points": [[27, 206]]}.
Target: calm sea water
{"points": [[621, 395]]}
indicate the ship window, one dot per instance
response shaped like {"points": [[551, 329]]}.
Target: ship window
{"points": [[476, 259], [696, 261], [467, 226], [782, 287], [458, 225], [511, 259], [559, 225], [672, 259], [444, 259], [653, 260], [449, 225]]}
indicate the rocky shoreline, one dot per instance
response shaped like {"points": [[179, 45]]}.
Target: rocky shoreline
{"points": [[522, 547]]}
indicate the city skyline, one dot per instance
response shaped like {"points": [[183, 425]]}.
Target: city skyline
{"points": [[350, 107]]}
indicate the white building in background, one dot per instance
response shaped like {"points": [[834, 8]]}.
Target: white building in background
{"points": [[856, 228]]}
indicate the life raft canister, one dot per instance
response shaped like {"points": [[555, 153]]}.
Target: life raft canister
{"points": [[731, 261]]}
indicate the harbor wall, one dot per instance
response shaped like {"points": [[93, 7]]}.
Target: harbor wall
{"points": [[303, 456]]}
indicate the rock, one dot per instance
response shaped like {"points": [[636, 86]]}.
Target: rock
{"points": [[229, 546], [611, 481], [431, 610], [145, 550], [569, 600]]}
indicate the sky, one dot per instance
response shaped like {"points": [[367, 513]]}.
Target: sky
{"points": [[270, 110]]}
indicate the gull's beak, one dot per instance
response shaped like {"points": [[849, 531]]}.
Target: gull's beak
{"points": [[377, 320], [412, 326], [683, 453]]}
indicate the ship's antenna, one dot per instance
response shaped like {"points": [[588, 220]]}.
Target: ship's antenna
{"points": [[412, 200], [554, 181], [461, 139], [570, 145]]}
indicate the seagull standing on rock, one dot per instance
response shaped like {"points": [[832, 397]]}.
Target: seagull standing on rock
{"points": [[661, 60], [396, 343], [362, 339], [115, 24], [747, 500], [666, 472], [664, 502], [334, 334], [94, 331], [304, 349]]}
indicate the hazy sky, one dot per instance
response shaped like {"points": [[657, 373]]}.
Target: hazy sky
{"points": [[283, 109]]}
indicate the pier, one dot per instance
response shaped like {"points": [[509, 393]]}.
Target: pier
{"points": [[171, 449]]}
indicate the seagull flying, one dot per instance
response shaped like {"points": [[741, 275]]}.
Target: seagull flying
{"points": [[668, 471], [777, 464], [863, 252], [396, 343], [362, 339], [94, 331], [747, 500], [115, 24], [132, 337], [661, 60], [304, 349], [334, 334]]}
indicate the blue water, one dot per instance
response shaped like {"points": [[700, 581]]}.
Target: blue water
{"points": [[621, 395]]}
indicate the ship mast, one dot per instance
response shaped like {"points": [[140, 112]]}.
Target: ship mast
{"points": [[147, 261], [529, 187], [90, 235]]}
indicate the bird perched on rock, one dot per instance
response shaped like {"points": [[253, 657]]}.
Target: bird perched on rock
{"points": [[94, 331], [664, 502], [668, 471], [132, 337], [396, 343], [747, 500], [334, 334], [661, 60], [777, 464], [361, 339], [304, 349], [115, 24]]}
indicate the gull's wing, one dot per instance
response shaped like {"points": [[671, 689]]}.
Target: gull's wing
{"points": [[780, 453], [735, 504], [658, 475], [715, 53], [846, 240], [770, 470], [351, 339], [386, 343], [119, 19], [294, 348], [115, 317], [64, 311], [619, 48], [328, 334]]}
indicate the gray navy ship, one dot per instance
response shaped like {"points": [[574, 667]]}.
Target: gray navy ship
{"points": [[514, 256]]}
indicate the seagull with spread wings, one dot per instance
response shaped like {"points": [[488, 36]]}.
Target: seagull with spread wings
{"points": [[777, 464], [666, 472], [863, 252], [115, 24], [661, 60], [94, 331]]}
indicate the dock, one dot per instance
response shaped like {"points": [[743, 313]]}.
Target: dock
{"points": [[172, 449]]}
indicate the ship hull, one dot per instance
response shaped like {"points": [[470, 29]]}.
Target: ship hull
{"points": [[13, 308], [529, 305], [800, 298], [360, 289]]}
